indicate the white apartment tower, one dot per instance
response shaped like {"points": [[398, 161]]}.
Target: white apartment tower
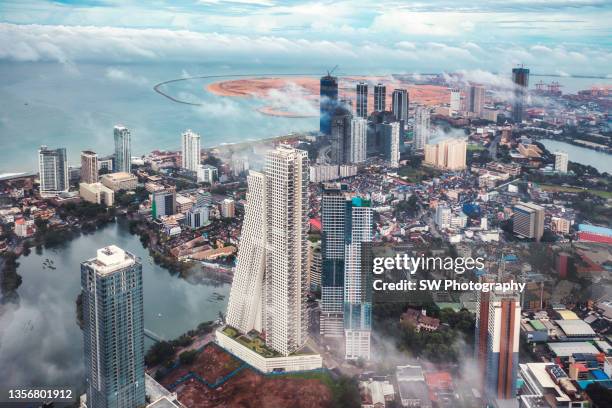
{"points": [[271, 279], [123, 149], [421, 127], [358, 143], [190, 144], [89, 167], [561, 161], [53, 171]]}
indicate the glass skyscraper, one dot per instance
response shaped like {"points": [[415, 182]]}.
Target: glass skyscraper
{"points": [[520, 78], [328, 101], [113, 329], [123, 149], [53, 171]]}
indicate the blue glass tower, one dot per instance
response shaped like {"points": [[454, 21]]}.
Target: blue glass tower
{"points": [[113, 329], [328, 101]]}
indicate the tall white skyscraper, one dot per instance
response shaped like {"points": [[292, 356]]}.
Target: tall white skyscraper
{"points": [[421, 127], [358, 142], [270, 285], [357, 293], [190, 143], [362, 100], [123, 149], [455, 99], [390, 133], [113, 329], [380, 96], [53, 171], [561, 161]]}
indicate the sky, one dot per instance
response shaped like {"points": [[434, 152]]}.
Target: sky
{"points": [[550, 36]]}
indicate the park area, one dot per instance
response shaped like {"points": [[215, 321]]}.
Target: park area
{"points": [[216, 378]]}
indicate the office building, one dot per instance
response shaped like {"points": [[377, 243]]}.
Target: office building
{"points": [[105, 164], [449, 154], [97, 193], [163, 203], [358, 140], [390, 137], [362, 100], [455, 100], [421, 127], [274, 241], [89, 167], [528, 220], [113, 329], [190, 148], [498, 320], [207, 173], [380, 97], [334, 204], [520, 80], [328, 102], [357, 287], [399, 105], [341, 125], [123, 149], [119, 181], [197, 217], [561, 162], [475, 99], [53, 171], [203, 198], [228, 208]]}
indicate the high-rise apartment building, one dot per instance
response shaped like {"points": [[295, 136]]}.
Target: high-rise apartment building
{"points": [[448, 154], [328, 102], [399, 105], [380, 97], [358, 141], [520, 79], [528, 220], [334, 208], [455, 100], [357, 290], [53, 171], [89, 167], [341, 126], [362, 100], [498, 320], [443, 216], [390, 136], [123, 149], [561, 162], [113, 329], [475, 99], [190, 147], [274, 241], [421, 127], [228, 208]]}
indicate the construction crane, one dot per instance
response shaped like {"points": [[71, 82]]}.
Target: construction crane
{"points": [[329, 72]]}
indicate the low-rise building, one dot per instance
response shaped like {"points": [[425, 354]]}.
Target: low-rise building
{"points": [[24, 228], [97, 193], [119, 181]]}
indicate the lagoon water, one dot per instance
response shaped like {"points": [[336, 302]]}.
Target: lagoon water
{"points": [[40, 341], [600, 160]]}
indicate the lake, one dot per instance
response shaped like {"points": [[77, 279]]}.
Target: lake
{"points": [[40, 341], [600, 160]]}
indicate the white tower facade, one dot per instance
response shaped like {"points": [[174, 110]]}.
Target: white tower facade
{"points": [[358, 144], [190, 143], [421, 127], [123, 149]]}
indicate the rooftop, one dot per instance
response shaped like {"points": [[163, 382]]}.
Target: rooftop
{"points": [[110, 259], [566, 349], [576, 328]]}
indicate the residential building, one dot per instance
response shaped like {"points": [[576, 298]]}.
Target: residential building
{"points": [[207, 173], [315, 263], [358, 140], [105, 164], [520, 79], [97, 193], [449, 154], [498, 320], [357, 290], [561, 162], [380, 96], [443, 216], [328, 101], [89, 167], [228, 208], [183, 203], [528, 220], [455, 99], [24, 228], [163, 203], [399, 106], [53, 171], [475, 99], [123, 149], [341, 125], [362, 100], [113, 329], [190, 148], [390, 134], [203, 199], [119, 181], [421, 127]]}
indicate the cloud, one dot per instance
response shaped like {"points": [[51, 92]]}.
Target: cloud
{"points": [[117, 74]]}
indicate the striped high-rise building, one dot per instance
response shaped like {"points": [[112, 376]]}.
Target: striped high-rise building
{"points": [[123, 149], [498, 320], [399, 105], [528, 220], [89, 167], [113, 329], [475, 99], [357, 290], [190, 147], [380, 97], [358, 144], [270, 286], [362, 100], [421, 127], [53, 171]]}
